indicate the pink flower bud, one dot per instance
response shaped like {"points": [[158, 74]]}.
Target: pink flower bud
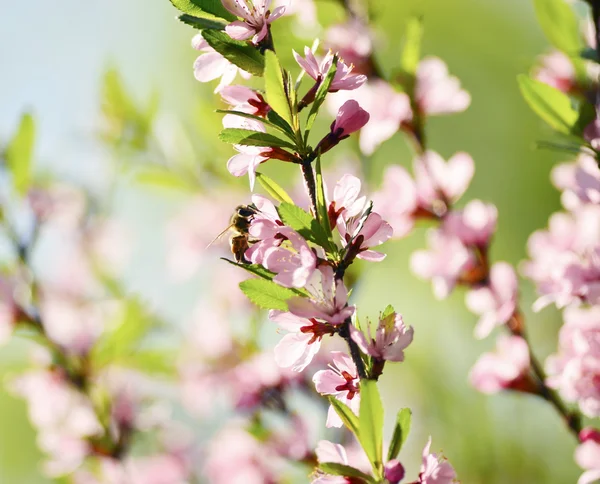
{"points": [[350, 118], [589, 434], [394, 471]]}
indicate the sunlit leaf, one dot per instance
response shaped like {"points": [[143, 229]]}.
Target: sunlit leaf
{"points": [[370, 417], [19, 154], [336, 469], [267, 294], [277, 96], [401, 431], [346, 415], [560, 24], [239, 53], [247, 137], [273, 189], [209, 9]]}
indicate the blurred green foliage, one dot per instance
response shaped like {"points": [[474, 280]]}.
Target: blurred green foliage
{"points": [[503, 439]]}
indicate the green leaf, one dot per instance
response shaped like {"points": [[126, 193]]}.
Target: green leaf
{"points": [[346, 415], [210, 9], [266, 294], [411, 53], [247, 137], [19, 154], [277, 120], [277, 96], [322, 209], [241, 54], [303, 223], [401, 431], [370, 419], [284, 130], [273, 189], [201, 23], [335, 469], [549, 103], [388, 311], [159, 362], [321, 95], [560, 25]]}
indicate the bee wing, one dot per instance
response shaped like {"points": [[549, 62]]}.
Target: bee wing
{"points": [[218, 237]]}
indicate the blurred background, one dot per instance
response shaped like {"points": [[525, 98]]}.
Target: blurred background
{"points": [[55, 57]]}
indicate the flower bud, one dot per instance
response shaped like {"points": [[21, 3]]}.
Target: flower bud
{"points": [[394, 471], [350, 118], [589, 434]]}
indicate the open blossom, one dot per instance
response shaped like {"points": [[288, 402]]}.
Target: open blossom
{"points": [[245, 100], [344, 79], [328, 302], [495, 302], [587, 455], [347, 201], [211, 65], [556, 69], [473, 225], [579, 181], [575, 370], [437, 178], [362, 234], [436, 91], [297, 349], [435, 469], [444, 263], [256, 18], [397, 200], [506, 368], [334, 453], [392, 337], [341, 381]]}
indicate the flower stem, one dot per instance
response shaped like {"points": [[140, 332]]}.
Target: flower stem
{"points": [[311, 184], [354, 350]]}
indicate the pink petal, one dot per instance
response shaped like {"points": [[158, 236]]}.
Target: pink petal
{"points": [[329, 452], [326, 382], [209, 67], [238, 164], [239, 30], [294, 351], [460, 172], [372, 256]]}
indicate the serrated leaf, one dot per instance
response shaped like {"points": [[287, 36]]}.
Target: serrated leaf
{"points": [[303, 223], [411, 52], [560, 25], [210, 9], [241, 54], [201, 23], [370, 417], [335, 469], [273, 189], [266, 294], [401, 431], [275, 83], [346, 415], [277, 120], [321, 95], [19, 154], [247, 137], [550, 104]]}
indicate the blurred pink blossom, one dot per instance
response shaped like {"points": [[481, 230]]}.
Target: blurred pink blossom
{"points": [[575, 370], [495, 302], [352, 40], [8, 309], [436, 91], [579, 181], [587, 456], [503, 369], [444, 263], [304, 10], [341, 381], [256, 19], [392, 337], [435, 469], [211, 65], [344, 79], [473, 225], [329, 452], [556, 69], [591, 134]]}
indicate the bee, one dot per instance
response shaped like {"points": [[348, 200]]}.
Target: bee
{"points": [[239, 225]]}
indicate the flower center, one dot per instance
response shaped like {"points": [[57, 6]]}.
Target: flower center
{"points": [[349, 386]]}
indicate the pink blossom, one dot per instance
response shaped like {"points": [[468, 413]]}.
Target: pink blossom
{"points": [[587, 456], [350, 118], [579, 181], [256, 19], [347, 201], [503, 369], [495, 302], [303, 341], [473, 225], [304, 10], [8, 309], [334, 453], [352, 40], [344, 79], [362, 234], [392, 337], [245, 100], [394, 471], [444, 263], [397, 200], [328, 302], [556, 69], [249, 157], [591, 134], [437, 92], [388, 109], [211, 65], [436, 178], [341, 381], [435, 469], [575, 370]]}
